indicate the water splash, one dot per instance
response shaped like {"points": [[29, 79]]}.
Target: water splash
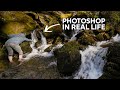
{"points": [[40, 51], [74, 34], [116, 38], [44, 44]]}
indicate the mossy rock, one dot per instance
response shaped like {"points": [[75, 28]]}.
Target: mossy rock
{"points": [[26, 47], [102, 36], [108, 26], [112, 67], [13, 28], [83, 14], [16, 28], [18, 16], [106, 36], [65, 15], [68, 58], [48, 19], [111, 32], [86, 39], [115, 16], [16, 22]]}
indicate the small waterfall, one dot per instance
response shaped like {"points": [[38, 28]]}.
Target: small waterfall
{"points": [[74, 35], [66, 37], [93, 60], [34, 40], [44, 44], [32, 45], [43, 39], [39, 51], [116, 38]]}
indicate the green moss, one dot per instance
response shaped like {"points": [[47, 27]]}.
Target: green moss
{"points": [[16, 22], [86, 39], [3, 65], [3, 53], [100, 37], [108, 26], [66, 15], [106, 36], [16, 27], [26, 47], [13, 28], [111, 32], [112, 67], [115, 16], [68, 58], [84, 14], [3, 59]]}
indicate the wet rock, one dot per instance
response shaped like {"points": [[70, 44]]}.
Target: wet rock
{"points": [[86, 39], [16, 22], [26, 47], [112, 67], [68, 58], [36, 68], [102, 36]]}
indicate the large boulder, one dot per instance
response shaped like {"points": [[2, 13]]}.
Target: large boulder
{"points": [[68, 58], [15, 22], [112, 67]]}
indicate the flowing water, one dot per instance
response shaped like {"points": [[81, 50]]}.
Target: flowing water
{"points": [[39, 51], [93, 60]]}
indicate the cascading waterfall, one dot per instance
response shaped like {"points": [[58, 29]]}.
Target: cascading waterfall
{"points": [[93, 60], [32, 45], [39, 51], [34, 40], [44, 44]]}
